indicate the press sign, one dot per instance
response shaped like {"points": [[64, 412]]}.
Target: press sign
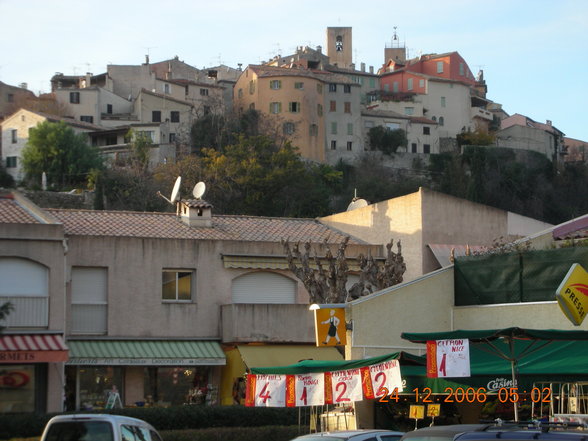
{"points": [[572, 294]]}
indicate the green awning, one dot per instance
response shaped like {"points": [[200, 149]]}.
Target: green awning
{"points": [[145, 353]]}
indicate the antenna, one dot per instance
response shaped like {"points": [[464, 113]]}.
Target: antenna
{"points": [[175, 194], [199, 190]]}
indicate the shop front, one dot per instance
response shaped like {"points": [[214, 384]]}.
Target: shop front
{"points": [[110, 373], [31, 372]]}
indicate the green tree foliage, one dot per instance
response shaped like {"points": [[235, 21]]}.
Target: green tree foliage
{"points": [[477, 137], [6, 180], [257, 177], [5, 309], [66, 157], [386, 140]]}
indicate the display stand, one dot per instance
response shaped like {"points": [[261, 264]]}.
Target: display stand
{"points": [[113, 401]]}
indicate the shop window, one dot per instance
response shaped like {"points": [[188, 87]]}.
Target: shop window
{"points": [[89, 300], [179, 385], [95, 385], [176, 285], [17, 393]]}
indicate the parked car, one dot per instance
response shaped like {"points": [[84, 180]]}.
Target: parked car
{"points": [[352, 435], [444, 433], [543, 432], [98, 427]]}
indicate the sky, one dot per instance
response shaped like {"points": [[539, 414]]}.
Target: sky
{"points": [[534, 53]]}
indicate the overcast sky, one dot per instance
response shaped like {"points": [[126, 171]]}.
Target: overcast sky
{"points": [[533, 52]]}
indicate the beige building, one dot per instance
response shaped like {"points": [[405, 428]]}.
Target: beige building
{"points": [[159, 300], [15, 134], [429, 225]]}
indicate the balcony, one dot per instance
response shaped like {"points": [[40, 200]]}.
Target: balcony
{"points": [[479, 112], [28, 312], [284, 323]]}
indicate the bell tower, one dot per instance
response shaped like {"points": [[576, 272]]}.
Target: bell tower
{"points": [[339, 47]]}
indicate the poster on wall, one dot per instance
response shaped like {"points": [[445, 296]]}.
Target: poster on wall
{"points": [[448, 358]]}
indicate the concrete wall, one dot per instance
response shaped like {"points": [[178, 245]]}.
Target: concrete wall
{"points": [[527, 138]]}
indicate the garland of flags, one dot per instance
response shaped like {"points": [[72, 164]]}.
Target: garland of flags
{"points": [[319, 388]]}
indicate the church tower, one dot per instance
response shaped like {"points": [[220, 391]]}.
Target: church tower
{"points": [[339, 48]]}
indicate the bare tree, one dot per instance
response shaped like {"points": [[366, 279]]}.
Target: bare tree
{"points": [[326, 282]]}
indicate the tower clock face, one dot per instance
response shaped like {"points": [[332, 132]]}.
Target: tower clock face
{"points": [[339, 43]]}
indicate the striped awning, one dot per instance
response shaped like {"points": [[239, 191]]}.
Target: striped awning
{"points": [[32, 348], [146, 353]]}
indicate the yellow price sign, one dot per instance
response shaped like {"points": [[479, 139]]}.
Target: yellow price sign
{"points": [[417, 412], [433, 410], [572, 294]]}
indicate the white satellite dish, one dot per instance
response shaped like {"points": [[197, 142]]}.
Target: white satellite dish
{"points": [[199, 190], [175, 195], [357, 203]]}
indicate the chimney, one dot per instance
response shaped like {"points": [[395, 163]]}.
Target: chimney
{"points": [[319, 49], [363, 67], [88, 78], [146, 59], [548, 122], [371, 69], [195, 213], [23, 86]]}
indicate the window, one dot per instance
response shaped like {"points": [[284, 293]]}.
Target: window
{"points": [[426, 148], [240, 93], [74, 97], [395, 86], [294, 107], [368, 124], [109, 109], [172, 137], [333, 145], [413, 147], [333, 106], [426, 130], [442, 101], [156, 116], [339, 43], [461, 69], [332, 87], [166, 88], [421, 83], [409, 111], [275, 108], [206, 110], [313, 130], [319, 109], [434, 118], [275, 84], [288, 128], [350, 128], [89, 300], [349, 145], [347, 107], [176, 285], [252, 106], [409, 84], [251, 87], [439, 66], [441, 121], [386, 88], [392, 125], [14, 135], [372, 82], [175, 116], [204, 92], [299, 85], [87, 118], [111, 140], [333, 128], [10, 98], [11, 162], [149, 134], [319, 88], [347, 88]]}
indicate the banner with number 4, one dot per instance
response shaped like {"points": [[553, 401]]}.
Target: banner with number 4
{"points": [[266, 390]]}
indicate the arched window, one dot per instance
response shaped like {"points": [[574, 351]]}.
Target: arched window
{"points": [[441, 120], [263, 287], [339, 43], [25, 284]]}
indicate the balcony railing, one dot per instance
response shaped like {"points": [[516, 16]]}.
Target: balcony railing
{"points": [[28, 312]]}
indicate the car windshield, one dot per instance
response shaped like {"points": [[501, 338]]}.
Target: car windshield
{"points": [[80, 431], [390, 437]]}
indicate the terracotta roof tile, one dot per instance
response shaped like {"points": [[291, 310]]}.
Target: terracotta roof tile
{"points": [[12, 213], [168, 226]]}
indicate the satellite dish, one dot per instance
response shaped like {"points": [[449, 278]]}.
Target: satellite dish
{"points": [[199, 190], [175, 194], [357, 203]]}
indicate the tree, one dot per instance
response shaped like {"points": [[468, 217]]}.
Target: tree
{"points": [[5, 309], [66, 157], [328, 285], [386, 140]]}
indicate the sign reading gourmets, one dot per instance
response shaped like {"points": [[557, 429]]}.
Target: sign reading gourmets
{"points": [[572, 294]]}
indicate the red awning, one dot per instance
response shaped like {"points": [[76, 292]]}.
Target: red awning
{"points": [[32, 348]]}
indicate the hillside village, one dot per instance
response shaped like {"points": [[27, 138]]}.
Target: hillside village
{"points": [[175, 308]]}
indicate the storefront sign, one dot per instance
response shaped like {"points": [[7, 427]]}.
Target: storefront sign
{"points": [[329, 327], [448, 358], [145, 361], [572, 294], [32, 356]]}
